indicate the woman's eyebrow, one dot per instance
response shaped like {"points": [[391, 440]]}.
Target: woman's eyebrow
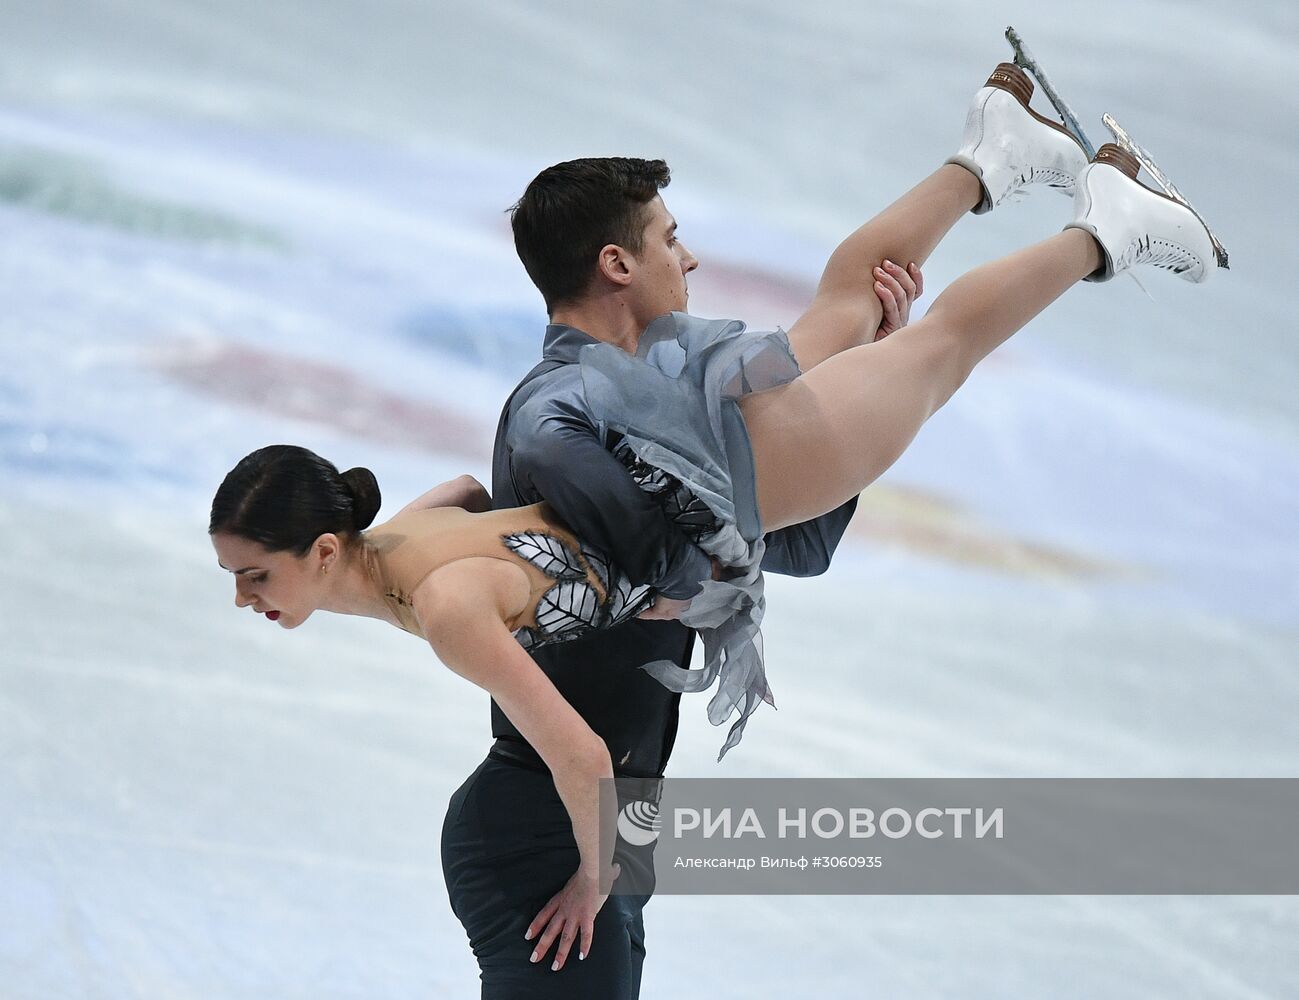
{"points": [[237, 572]]}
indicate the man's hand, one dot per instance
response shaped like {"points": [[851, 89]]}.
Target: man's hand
{"points": [[665, 609], [897, 289]]}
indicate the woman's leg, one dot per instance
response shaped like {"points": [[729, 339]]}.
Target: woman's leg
{"points": [[823, 437], [846, 311], [1006, 146]]}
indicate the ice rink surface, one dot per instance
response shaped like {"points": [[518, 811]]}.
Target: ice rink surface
{"points": [[228, 224]]}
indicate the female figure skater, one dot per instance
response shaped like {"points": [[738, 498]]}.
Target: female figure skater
{"points": [[709, 414]]}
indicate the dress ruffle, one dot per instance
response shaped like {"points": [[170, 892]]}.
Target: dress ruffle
{"points": [[675, 405]]}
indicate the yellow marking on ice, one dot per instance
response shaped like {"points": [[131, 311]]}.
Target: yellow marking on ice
{"points": [[935, 526]]}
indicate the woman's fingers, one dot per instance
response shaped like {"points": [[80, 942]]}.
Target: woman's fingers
{"points": [[903, 277], [566, 938], [552, 931], [569, 917], [903, 298], [547, 924], [542, 918], [888, 291]]}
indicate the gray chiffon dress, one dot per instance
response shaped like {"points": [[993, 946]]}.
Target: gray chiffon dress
{"points": [[675, 406]]}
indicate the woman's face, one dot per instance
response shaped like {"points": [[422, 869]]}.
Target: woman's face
{"points": [[283, 587]]}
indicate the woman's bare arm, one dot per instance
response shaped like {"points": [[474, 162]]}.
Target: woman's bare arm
{"points": [[463, 608], [463, 491]]}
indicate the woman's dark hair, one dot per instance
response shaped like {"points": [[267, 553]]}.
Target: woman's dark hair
{"points": [[285, 497], [572, 210]]}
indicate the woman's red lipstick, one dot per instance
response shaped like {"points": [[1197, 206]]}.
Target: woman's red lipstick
{"points": [[272, 615]]}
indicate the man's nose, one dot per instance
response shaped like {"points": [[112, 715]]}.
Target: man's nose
{"points": [[689, 263]]}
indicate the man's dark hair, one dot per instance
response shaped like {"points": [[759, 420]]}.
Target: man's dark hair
{"points": [[572, 210]]}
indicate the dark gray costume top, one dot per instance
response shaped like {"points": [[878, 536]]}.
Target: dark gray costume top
{"points": [[557, 454]]}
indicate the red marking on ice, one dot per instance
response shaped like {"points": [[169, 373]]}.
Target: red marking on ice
{"points": [[761, 297], [308, 390]]}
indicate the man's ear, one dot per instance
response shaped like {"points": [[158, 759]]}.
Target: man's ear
{"points": [[616, 264]]}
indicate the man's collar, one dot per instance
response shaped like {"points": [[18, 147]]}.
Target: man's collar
{"points": [[563, 343]]}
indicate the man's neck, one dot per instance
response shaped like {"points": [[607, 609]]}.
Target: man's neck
{"points": [[609, 319]]}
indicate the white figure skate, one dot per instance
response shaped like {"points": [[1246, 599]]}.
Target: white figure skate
{"points": [[1135, 152], [1135, 225], [1008, 145]]}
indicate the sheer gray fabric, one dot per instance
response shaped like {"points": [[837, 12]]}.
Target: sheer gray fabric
{"points": [[674, 404]]}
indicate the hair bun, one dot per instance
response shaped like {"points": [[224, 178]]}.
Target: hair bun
{"points": [[364, 488]]}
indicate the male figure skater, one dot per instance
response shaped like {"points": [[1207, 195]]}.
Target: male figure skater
{"points": [[508, 846]]}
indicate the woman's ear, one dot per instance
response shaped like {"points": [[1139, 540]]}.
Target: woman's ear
{"points": [[325, 550]]}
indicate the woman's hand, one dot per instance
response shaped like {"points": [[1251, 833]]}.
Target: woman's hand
{"points": [[463, 609], [569, 917], [897, 289]]}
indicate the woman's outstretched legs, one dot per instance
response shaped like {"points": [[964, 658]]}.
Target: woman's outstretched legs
{"points": [[823, 437], [846, 311], [1006, 146]]}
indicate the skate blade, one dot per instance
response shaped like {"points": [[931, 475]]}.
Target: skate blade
{"points": [[1130, 146], [1025, 61]]}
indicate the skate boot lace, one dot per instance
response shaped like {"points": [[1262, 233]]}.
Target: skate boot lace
{"points": [[1146, 249]]}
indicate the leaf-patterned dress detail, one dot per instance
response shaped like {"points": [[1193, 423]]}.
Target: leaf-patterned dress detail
{"points": [[680, 505], [573, 607]]}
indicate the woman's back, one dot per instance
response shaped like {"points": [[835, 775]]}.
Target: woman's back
{"points": [[566, 585]]}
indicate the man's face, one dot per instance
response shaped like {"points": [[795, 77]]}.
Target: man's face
{"points": [[661, 265]]}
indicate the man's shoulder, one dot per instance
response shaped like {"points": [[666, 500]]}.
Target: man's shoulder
{"points": [[547, 373], [556, 390]]}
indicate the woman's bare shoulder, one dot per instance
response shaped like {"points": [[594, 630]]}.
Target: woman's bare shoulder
{"points": [[474, 587]]}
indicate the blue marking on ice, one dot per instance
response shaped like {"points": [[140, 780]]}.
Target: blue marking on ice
{"points": [[80, 461], [494, 339]]}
